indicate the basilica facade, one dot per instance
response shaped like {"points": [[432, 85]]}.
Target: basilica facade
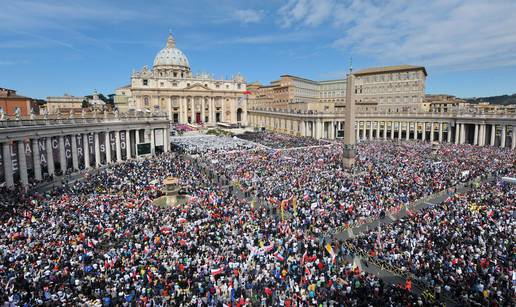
{"points": [[170, 87]]}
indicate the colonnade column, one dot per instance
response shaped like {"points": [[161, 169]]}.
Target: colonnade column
{"points": [[62, 154], [364, 129], [8, 164], [128, 144], [408, 132], [378, 130], [448, 126], [75, 158], [416, 124], [475, 136], [457, 133], [493, 135], [97, 149], [385, 130], [36, 159], [22, 163], [513, 141], [152, 142], [392, 130], [462, 133], [431, 131], [370, 130], [50, 156], [481, 135], [86, 145], [118, 149], [107, 143], [504, 132], [440, 132]]}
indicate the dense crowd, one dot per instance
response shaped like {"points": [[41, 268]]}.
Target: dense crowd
{"points": [[388, 175], [102, 242], [197, 144], [280, 141], [463, 247]]}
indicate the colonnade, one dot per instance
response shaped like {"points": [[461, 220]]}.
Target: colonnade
{"points": [[71, 151], [481, 133]]}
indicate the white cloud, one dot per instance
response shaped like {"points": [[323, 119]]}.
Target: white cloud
{"points": [[445, 34], [249, 16], [307, 12]]}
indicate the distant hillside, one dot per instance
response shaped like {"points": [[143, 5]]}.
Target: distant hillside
{"points": [[502, 100]]}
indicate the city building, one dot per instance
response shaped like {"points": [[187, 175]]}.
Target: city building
{"points": [[65, 104], [170, 87], [442, 103], [10, 101]]}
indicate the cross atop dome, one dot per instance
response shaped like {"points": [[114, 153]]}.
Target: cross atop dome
{"points": [[171, 42]]}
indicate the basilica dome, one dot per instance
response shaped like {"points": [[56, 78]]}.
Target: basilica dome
{"points": [[171, 56]]}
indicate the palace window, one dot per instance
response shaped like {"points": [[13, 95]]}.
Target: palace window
{"points": [[174, 84], [238, 85], [145, 82], [161, 84], [217, 85], [146, 101], [175, 74]]}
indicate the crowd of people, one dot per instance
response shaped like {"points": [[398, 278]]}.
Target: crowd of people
{"points": [[101, 241], [280, 141], [463, 247], [202, 144], [387, 176]]}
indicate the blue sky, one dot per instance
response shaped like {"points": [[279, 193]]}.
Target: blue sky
{"points": [[52, 47]]}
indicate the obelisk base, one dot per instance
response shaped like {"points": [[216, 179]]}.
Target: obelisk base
{"points": [[349, 154]]}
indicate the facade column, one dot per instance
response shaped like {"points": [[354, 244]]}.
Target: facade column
{"points": [[127, 144], [8, 164], [223, 115], [107, 144], [357, 131], [193, 111], [36, 160], [97, 149], [415, 130], [462, 133], [363, 136], [440, 132], [431, 132], [203, 106], [399, 130], [22, 163], [448, 126], [332, 130], [377, 130], [392, 130], [86, 145], [75, 158], [475, 136], [62, 155], [118, 149], [370, 130], [423, 132], [504, 133], [50, 156], [513, 141], [407, 136]]}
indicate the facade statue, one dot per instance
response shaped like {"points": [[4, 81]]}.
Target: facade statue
{"points": [[17, 113]]}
